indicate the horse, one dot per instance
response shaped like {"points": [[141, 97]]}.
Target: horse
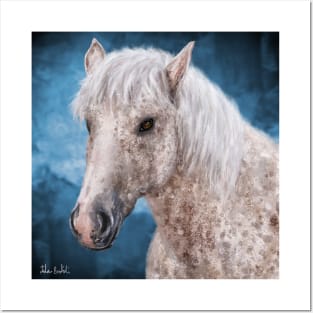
{"points": [[160, 129]]}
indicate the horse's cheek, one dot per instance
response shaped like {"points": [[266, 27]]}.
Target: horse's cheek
{"points": [[166, 157]]}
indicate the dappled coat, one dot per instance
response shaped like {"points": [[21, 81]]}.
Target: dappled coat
{"points": [[159, 128]]}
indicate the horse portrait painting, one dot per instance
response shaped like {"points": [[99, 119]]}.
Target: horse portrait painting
{"points": [[159, 128]]}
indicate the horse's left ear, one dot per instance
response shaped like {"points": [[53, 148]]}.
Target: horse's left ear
{"points": [[177, 68], [94, 54]]}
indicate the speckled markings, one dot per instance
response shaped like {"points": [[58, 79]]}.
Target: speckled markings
{"points": [[210, 178], [199, 236]]}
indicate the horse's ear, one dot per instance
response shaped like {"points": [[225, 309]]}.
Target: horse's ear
{"points": [[177, 68], [94, 55]]}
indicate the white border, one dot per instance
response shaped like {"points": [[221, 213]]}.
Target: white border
{"points": [[18, 19]]}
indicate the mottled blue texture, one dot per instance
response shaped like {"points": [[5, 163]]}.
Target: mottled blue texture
{"points": [[244, 65]]}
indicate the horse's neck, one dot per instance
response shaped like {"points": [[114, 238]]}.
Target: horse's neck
{"points": [[182, 197], [185, 213]]}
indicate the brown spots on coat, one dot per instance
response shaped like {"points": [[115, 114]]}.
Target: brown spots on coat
{"points": [[258, 270], [226, 245], [210, 239], [245, 233], [190, 259], [267, 238], [274, 220], [249, 249], [259, 221], [142, 146], [186, 255], [224, 240]]}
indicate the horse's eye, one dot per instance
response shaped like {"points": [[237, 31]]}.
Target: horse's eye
{"points": [[147, 124]]}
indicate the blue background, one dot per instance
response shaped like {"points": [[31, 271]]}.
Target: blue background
{"points": [[244, 65]]}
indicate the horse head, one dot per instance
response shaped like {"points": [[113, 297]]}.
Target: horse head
{"points": [[128, 100]]}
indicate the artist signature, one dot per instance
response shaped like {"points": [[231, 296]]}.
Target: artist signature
{"points": [[63, 269]]}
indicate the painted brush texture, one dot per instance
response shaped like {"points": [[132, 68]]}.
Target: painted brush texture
{"points": [[244, 65]]}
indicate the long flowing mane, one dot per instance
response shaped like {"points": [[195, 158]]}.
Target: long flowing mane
{"points": [[210, 129], [211, 132]]}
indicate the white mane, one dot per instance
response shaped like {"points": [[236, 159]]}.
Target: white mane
{"points": [[210, 129], [211, 132], [124, 78]]}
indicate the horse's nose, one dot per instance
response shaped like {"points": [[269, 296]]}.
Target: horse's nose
{"points": [[93, 228], [95, 224]]}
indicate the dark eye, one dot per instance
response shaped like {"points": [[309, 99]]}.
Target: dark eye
{"points": [[145, 125]]}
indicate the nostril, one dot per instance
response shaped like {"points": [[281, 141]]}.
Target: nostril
{"points": [[104, 222]]}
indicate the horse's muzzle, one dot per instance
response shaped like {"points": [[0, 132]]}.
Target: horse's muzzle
{"points": [[98, 229]]}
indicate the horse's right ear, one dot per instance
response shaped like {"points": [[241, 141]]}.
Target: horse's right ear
{"points": [[177, 68], [94, 55]]}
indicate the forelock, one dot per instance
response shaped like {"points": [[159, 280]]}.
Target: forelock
{"points": [[125, 78]]}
